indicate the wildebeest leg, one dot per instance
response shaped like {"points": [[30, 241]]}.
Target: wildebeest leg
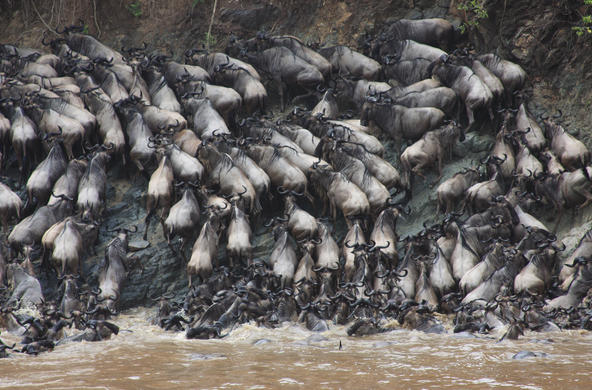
{"points": [[281, 91], [558, 219], [162, 224], [147, 222], [333, 210], [439, 159], [471, 118]]}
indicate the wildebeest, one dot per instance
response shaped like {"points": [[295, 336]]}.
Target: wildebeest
{"points": [[223, 172], [92, 187], [401, 122], [451, 192], [340, 193], [466, 84], [435, 31], [350, 63], [431, 149], [27, 290], [571, 152], [45, 175], [10, 205], [114, 270], [286, 69], [511, 75], [183, 217], [203, 252], [355, 91]]}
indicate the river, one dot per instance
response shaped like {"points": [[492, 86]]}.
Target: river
{"points": [[145, 356]]}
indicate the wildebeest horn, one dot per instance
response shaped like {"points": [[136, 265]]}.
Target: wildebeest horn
{"points": [[282, 190], [375, 248], [240, 194], [62, 196], [557, 248], [576, 261]]}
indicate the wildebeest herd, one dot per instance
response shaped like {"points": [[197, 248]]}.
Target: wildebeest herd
{"points": [[216, 165]]}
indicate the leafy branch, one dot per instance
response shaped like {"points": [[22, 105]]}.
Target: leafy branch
{"points": [[474, 11]]}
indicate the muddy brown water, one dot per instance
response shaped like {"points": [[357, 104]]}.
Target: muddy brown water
{"points": [[145, 357]]}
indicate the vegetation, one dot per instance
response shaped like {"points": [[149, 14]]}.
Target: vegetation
{"points": [[135, 8], [585, 24], [209, 40], [474, 11]]}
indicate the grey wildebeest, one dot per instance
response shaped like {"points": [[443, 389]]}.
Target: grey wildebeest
{"points": [[282, 173], [434, 32], [306, 140], [350, 63], [570, 265], [286, 69], [301, 224], [283, 258], [380, 168], [71, 249], [511, 75], [239, 236], [443, 98], [93, 186], [452, 191], [251, 90], [67, 184], [384, 236], [327, 106], [28, 231], [27, 290], [161, 94], [139, 135], [341, 193], [568, 189], [68, 248], [183, 217], [256, 175], [571, 152], [209, 62], [223, 172], [204, 250], [113, 270], [401, 122], [225, 100], [430, 150], [205, 119], [100, 105], [466, 84], [263, 41], [533, 135], [408, 61], [355, 92], [10, 205], [45, 175], [23, 138], [160, 191], [355, 170]]}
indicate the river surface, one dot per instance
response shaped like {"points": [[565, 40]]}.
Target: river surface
{"points": [[146, 357]]}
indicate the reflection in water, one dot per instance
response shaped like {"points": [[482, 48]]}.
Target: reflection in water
{"points": [[254, 358]]}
